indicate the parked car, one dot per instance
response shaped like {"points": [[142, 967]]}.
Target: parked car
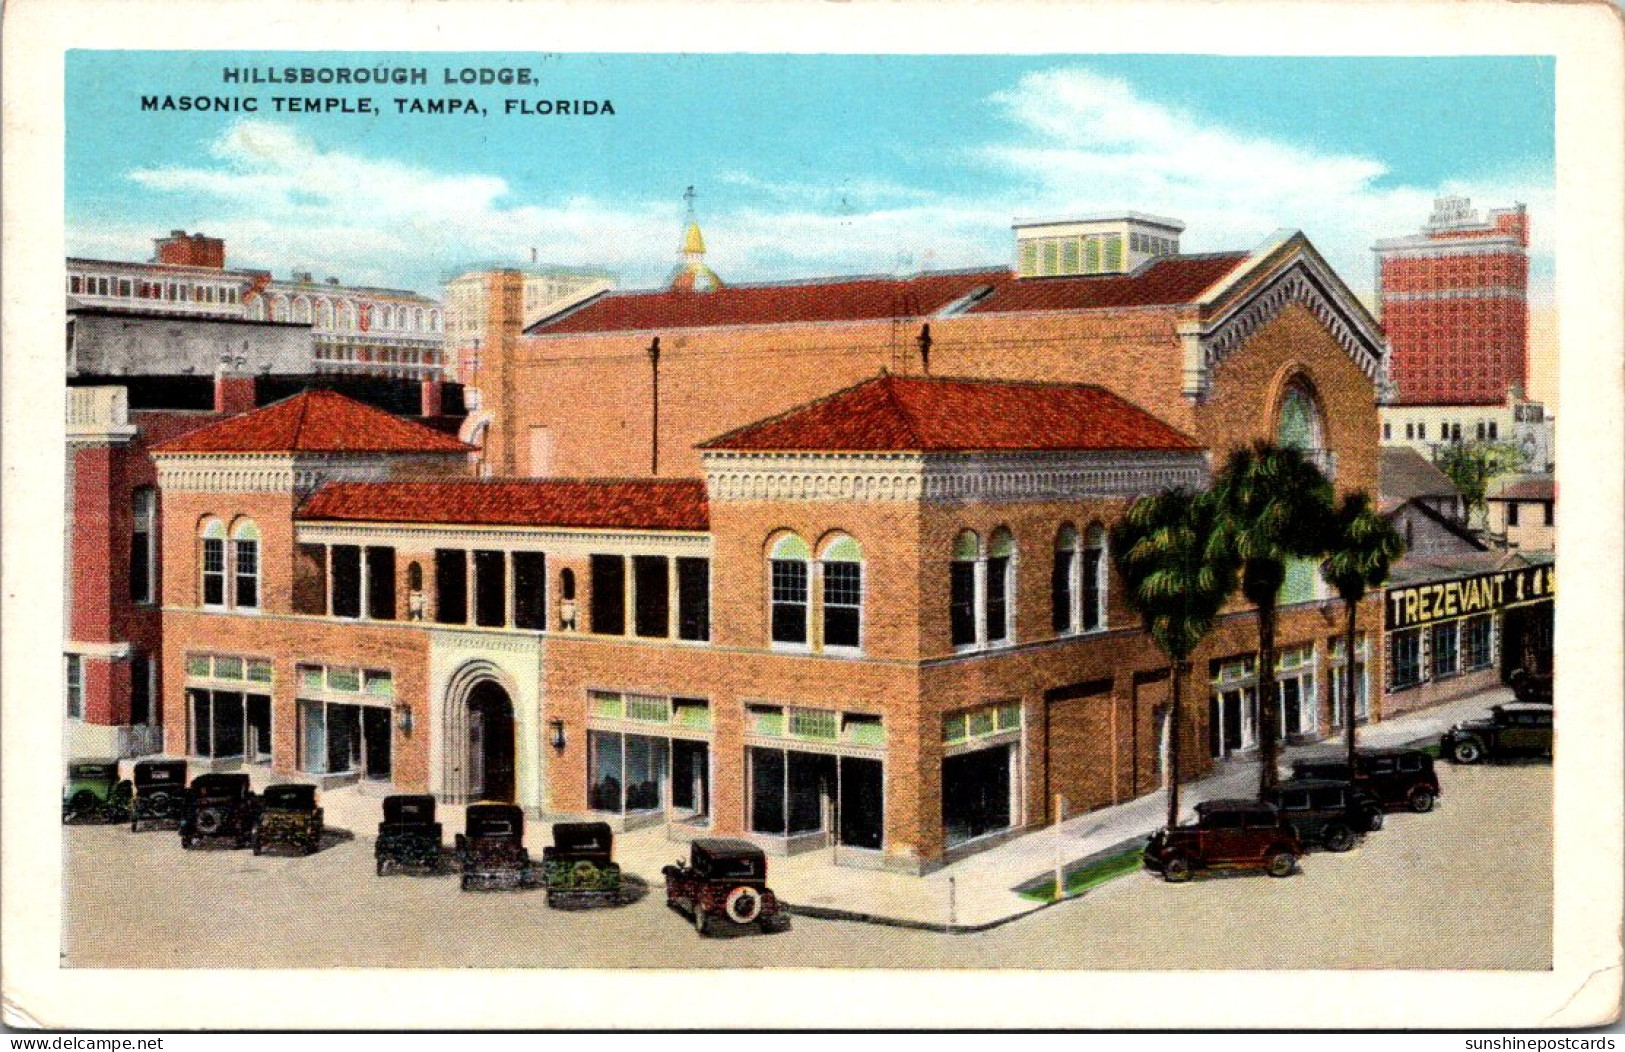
{"points": [[219, 805], [160, 792], [289, 815], [1227, 834], [492, 846], [1511, 730], [95, 793], [724, 880], [1399, 779], [1532, 688], [408, 835], [578, 866], [1332, 814]]}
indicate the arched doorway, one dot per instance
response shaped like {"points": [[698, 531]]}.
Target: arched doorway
{"points": [[490, 742]]}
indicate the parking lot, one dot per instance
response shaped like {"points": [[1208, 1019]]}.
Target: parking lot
{"points": [[1396, 901]]}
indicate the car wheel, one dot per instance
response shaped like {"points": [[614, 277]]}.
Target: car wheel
{"points": [[702, 921], [467, 882], [187, 843], [1281, 863], [1176, 869], [743, 905], [381, 864], [135, 823], [1421, 800], [1466, 752], [258, 846], [1338, 838], [83, 802], [1373, 820]]}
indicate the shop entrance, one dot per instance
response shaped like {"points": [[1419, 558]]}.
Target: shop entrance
{"points": [[976, 793], [1526, 640], [490, 742]]}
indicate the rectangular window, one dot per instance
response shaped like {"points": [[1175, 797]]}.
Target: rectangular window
{"points": [[76, 686], [490, 589], [1113, 260], [1547, 509], [1476, 642], [651, 590], [789, 584], [141, 547], [1446, 655], [310, 579], [214, 571], [140, 690], [381, 583], [694, 599], [451, 586], [962, 603], [1405, 660], [346, 559], [1060, 590], [998, 598], [1093, 616], [1512, 512], [843, 604], [609, 595], [530, 590], [246, 571], [818, 724]]}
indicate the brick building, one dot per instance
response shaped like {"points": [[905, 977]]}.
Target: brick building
{"points": [[1454, 302], [829, 599]]}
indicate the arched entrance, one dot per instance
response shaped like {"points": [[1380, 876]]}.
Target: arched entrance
{"points": [[479, 736], [490, 742]]}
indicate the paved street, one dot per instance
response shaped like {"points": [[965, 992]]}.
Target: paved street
{"points": [[1395, 902]]}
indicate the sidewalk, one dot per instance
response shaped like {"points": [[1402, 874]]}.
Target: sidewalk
{"points": [[973, 894]]}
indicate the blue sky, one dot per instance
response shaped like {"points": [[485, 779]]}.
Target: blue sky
{"points": [[804, 165]]}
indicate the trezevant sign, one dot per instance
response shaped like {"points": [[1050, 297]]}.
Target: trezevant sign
{"points": [[1422, 604]]}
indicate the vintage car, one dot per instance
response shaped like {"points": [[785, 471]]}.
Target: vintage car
{"points": [[289, 816], [577, 866], [1227, 834], [95, 793], [491, 848], [1511, 730], [160, 792], [408, 835], [219, 805], [726, 881], [1531, 688], [1330, 813], [1399, 779]]}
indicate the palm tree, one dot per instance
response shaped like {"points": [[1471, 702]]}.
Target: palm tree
{"points": [[1274, 507], [1362, 545], [1170, 551]]}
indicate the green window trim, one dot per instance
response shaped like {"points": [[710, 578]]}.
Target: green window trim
{"points": [[790, 548], [843, 550], [967, 546]]}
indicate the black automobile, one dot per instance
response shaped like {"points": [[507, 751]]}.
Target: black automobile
{"points": [[1227, 834], [217, 806], [95, 793], [491, 847], [160, 792], [1399, 779], [1532, 688], [578, 865], [289, 817], [408, 836], [1327, 813], [1515, 730], [724, 880]]}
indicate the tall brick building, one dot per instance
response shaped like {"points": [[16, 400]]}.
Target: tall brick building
{"points": [[846, 584], [1454, 302]]}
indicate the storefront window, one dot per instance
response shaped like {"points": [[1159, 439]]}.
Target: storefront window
{"points": [[1446, 655], [1476, 644], [1405, 658], [976, 793]]}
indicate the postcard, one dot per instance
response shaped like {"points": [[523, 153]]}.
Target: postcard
{"points": [[833, 515]]}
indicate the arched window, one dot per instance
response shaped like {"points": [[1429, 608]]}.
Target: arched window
{"points": [[1299, 425], [962, 589], [301, 310], [1094, 579], [245, 565], [1063, 582], [212, 562], [841, 567], [327, 315], [142, 546], [787, 573], [1000, 574]]}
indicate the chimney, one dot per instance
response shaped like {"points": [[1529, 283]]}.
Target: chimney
{"points": [[233, 392], [432, 398]]}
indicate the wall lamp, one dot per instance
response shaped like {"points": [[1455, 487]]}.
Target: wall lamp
{"points": [[557, 738], [403, 718]]}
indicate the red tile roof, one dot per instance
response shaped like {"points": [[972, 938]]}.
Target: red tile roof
{"points": [[627, 504], [915, 414], [1172, 280], [315, 421]]}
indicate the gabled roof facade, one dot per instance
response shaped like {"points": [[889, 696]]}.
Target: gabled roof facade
{"points": [[917, 414], [315, 422], [621, 504]]}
